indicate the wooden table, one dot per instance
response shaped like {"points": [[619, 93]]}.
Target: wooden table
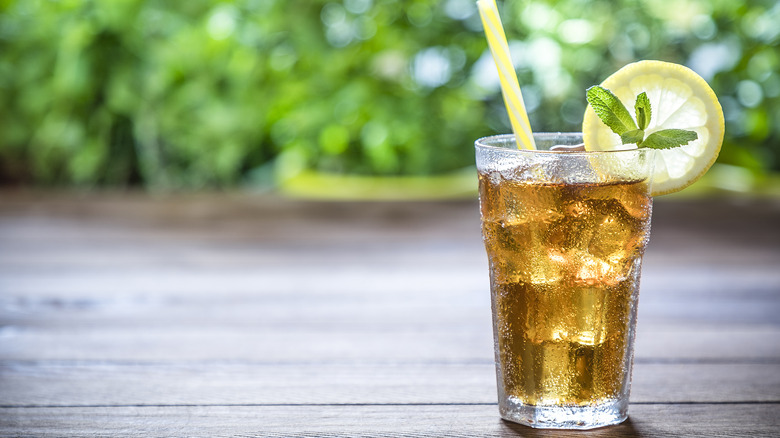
{"points": [[241, 315]]}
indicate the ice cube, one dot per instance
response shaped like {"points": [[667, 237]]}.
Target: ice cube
{"points": [[592, 271], [519, 254], [619, 236]]}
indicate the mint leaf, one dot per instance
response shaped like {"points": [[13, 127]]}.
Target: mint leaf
{"points": [[643, 111], [668, 138], [610, 110], [633, 136], [614, 114]]}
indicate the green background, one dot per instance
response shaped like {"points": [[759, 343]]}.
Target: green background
{"points": [[173, 95]]}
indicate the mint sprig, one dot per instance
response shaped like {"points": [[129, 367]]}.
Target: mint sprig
{"points": [[614, 114]]}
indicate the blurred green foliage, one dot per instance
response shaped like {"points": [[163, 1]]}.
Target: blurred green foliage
{"points": [[191, 94]]}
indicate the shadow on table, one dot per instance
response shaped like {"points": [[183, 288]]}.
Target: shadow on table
{"points": [[624, 429]]}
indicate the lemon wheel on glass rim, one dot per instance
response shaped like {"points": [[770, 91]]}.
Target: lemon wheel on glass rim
{"points": [[679, 99]]}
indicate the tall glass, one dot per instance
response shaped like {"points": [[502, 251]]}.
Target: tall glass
{"points": [[564, 233]]}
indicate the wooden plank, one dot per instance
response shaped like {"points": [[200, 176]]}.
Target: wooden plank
{"points": [[683, 232], [92, 219], [81, 296], [180, 273], [447, 343], [129, 247], [106, 383], [646, 421]]}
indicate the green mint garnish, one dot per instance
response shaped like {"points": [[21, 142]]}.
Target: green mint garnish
{"points": [[614, 114], [643, 111]]}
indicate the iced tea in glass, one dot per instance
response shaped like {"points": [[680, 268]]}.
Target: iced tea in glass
{"points": [[564, 233]]}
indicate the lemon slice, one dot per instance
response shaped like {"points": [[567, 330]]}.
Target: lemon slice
{"points": [[679, 98]]}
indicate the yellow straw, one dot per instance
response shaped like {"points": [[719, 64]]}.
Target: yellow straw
{"points": [[510, 88]]}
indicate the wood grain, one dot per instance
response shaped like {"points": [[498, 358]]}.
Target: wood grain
{"points": [[646, 421], [215, 383], [240, 315], [386, 342]]}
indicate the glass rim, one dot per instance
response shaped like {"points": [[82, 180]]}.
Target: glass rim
{"points": [[481, 143]]}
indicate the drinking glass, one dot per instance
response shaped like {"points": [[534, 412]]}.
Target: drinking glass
{"points": [[564, 232]]}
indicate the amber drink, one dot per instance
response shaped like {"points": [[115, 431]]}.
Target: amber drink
{"points": [[564, 233]]}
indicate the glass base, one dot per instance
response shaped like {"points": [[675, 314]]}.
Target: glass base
{"points": [[565, 417]]}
